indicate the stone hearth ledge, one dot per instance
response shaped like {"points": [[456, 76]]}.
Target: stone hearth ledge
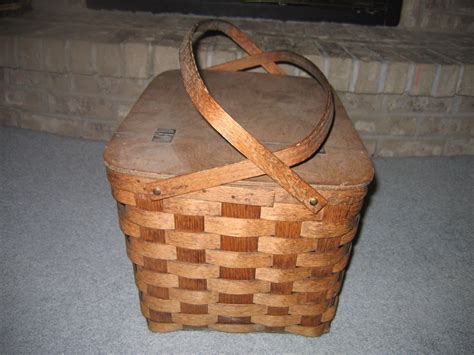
{"points": [[78, 73]]}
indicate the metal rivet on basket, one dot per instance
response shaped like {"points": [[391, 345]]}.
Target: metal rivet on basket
{"points": [[157, 191], [313, 201]]}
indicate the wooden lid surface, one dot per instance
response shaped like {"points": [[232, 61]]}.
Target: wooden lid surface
{"points": [[278, 111]]}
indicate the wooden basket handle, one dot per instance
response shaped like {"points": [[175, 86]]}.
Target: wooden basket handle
{"points": [[260, 159]]}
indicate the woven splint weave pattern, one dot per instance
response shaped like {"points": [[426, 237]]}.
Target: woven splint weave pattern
{"points": [[237, 258]]}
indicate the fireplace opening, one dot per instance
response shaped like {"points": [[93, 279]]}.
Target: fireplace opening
{"points": [[365, 12]]}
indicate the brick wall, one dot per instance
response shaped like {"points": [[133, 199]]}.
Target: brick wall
{"points": [[438, 15], [406, 96]]}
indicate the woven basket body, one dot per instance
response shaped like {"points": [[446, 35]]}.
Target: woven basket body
{"points": [[246, 255]]}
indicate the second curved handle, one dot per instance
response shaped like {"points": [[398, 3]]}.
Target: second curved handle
{"points": [[268, 162]]}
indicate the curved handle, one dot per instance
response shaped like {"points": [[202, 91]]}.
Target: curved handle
{"points": [[264, 161]]}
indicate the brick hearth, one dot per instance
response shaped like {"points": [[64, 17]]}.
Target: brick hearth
{"points": [[77, 73]]}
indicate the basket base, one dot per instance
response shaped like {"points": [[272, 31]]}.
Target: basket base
{"points": [[242, 328]]}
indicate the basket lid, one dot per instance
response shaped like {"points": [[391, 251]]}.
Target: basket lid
{"points": [[164, 135]]}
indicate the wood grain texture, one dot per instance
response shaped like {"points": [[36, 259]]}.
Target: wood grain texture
{"points": [[281, 275], [188, 308], [273, 245], [152, 250], [233, 320], [199, 241], [246, 143], [157, 265], [222, 247], [144, 202], [123, 196], [238, 287], [188, 223], [162, 305], [196, 320], [314, 285], [288, 212], [197, 256], [157, 220], [236, 328], [341, 211], [287, 229], [237, 310], [239, 227], [193, 297], [159, 317], [341, 265], [310, 229], [349, 236], [192, 284], [135, 258], [193, 271], [129, 228], [152, 235], [164, 327], [159, 292], [308, 309], [236, 210], [157, 279], [306, 331], [236, 135], [232, 194], [322, 259], [274, 300], [334, 194], [237, 273], [276, 321], [191, 207], [238, 259], [229, 298], [239, 244], [329, 314]]}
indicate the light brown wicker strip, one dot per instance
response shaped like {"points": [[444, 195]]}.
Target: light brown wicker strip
{"points": [[235, 257]]}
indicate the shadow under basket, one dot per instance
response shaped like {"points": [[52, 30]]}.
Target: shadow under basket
{"points": [[230, 244]]}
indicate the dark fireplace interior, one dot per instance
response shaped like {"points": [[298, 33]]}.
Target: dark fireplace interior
{"points": [[366, 12]]}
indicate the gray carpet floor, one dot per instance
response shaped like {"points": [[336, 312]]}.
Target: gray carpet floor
{"points": [[67, 285]]}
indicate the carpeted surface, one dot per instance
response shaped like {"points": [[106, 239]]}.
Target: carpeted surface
{"points": [[67, 285]]}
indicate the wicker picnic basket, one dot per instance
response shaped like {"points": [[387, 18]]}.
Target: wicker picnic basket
{"points": [[228, 236]]}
